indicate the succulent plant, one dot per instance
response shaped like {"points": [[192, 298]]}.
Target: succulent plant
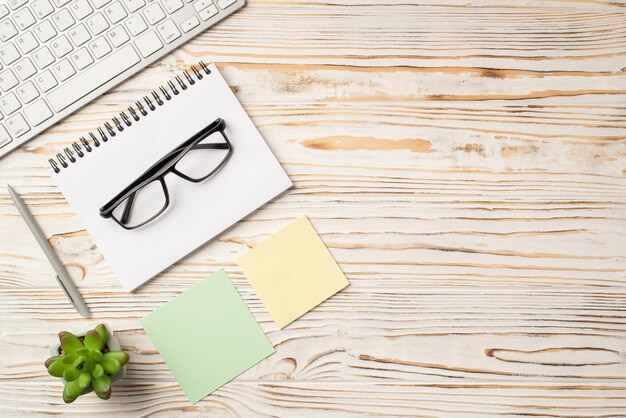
{"points": [[86, 361]]}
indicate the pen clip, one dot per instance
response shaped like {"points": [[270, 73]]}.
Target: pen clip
{"points": [[69, 296]]}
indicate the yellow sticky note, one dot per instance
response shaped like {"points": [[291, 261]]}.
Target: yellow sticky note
{"points": [[292, 271]]}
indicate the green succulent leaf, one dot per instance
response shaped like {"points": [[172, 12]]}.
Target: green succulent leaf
{"points": [[102, 386], [70, 374], [102, 330], [87, 364], [69, 342], [120, 356], [71, 391], [57, 367], [84, 379], [82, 352], [70, 358], [96, 356], [52, 360], [111, 366], [97, 371], [94, 341]]}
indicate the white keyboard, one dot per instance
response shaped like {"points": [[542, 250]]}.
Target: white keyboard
{"points": [[57, 55]]}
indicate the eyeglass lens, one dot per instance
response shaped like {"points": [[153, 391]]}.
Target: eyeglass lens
{"points": [[142, 206], [205, 157]]}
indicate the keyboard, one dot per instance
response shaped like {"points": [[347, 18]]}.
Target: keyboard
{"points": [[58, 55]]}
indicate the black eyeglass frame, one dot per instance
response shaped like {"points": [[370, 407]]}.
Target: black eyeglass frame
{"points": [[162, 168]]}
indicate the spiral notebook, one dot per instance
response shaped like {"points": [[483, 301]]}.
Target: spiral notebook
{"points": [[99, 165]]}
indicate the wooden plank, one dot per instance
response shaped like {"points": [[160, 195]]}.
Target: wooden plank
{"points": [[464, 163]]}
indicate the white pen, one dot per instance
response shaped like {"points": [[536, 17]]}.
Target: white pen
{"points": [[63, 277]]}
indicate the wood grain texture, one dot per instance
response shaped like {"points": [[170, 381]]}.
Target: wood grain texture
{"points": [[465, 163]]}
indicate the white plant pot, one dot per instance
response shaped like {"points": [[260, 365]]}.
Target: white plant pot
{"points": [[112, 343]]}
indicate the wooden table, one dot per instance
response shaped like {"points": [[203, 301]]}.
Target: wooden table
{"points": [[465, 162]]}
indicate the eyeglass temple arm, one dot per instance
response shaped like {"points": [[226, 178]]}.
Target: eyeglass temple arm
{"points": [[215, 126], [127, 208], [212, 146]]}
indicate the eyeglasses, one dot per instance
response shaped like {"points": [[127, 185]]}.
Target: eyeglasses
{"points": [[195, 160]]}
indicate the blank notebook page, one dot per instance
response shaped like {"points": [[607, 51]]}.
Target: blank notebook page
{"points": [[198, 211]]}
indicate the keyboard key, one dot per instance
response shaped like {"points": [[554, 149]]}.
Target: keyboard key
{"points": [[9, 103], [5, 138], [43, 57], [45, 81], [81, 9], [27, 92], [97, 24], [225, 3], [154, 13], [148, 44], [100, 47], [63, 70], [63, 20], [81, 58], [24, 18], [202, 4], [92, 78], [168, 31], [38, 112], [42, 8], [99, 3], [9, 54], [59, 3], [26, 42], [4, 10], [134, 5], [17, 125], [79, 35], [189, 24], [25, 68], [7, 80], [115, 12], [45, 31], [16, 4], [7, 30], [118, 36], [208, 13], [136, 25], [172, 5], [61, 46]]}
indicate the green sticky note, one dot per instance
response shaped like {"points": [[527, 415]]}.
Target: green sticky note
{"points": [[207, 336]]}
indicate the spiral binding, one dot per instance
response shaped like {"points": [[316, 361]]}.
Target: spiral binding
{"points": [[156, 98]]}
